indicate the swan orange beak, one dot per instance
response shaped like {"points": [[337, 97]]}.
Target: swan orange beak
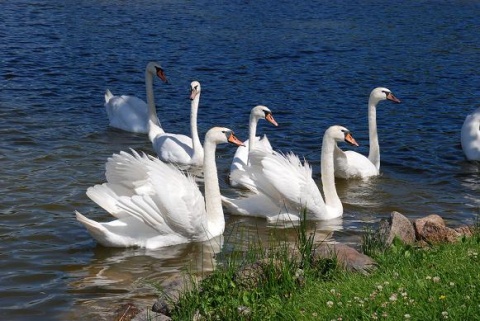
{"points": [[391, 97], [349, 139], [234, 140], [270, 119], [161, 75]]}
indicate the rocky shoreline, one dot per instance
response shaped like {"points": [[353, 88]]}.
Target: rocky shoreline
{"points": [[422, 232]]}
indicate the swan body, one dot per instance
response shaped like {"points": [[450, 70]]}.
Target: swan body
{"points": [[130, 113], [470, 136], [239, 176], [285, 185], [177, 148], [350, 164], [155, 204]]}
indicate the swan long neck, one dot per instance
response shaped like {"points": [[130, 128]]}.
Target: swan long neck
{"points": [[252, 131], [213, 201], [155, 127], [196, 144], [374, 153], [327, 172]]}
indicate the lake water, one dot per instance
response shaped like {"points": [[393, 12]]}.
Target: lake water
{"points": [[313, 63]]}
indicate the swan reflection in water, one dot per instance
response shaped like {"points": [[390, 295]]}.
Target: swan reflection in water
{"points": [[133, 274], [470, 178]]}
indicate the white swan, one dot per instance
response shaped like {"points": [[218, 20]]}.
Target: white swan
{"points": [[350, 164], [177, 148], [130, 113], [239, 175], [470, 137], [155, 204], [285, 186]]}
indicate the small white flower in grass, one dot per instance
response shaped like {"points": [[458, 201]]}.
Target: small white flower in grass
{"points": [[332, 291], [436, 279], [445, 314], [428, 277], [452, 284], [379, 287], [393, 297], [329, 304], [407, 316]]}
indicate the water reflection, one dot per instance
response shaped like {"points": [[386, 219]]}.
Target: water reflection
{"points": [[115, 276]]}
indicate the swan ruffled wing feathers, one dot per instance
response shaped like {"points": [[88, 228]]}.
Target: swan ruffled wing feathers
{"points": [[107, 198], [239, 175], [284, 177], [163, 198], [183, 203]]}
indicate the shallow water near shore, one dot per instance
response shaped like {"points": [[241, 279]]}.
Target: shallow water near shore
{"points": [[313, 64]]}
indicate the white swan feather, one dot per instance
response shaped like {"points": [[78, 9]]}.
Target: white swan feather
{"points": [[162, 206], [470, 136], [350, 164], [130, 113]]}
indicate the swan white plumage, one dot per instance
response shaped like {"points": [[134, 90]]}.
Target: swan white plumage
{"points": [[285, 186], [130, 113], [350, 164], [177, 148], [470, 136], [239, 176], [155, 204]]}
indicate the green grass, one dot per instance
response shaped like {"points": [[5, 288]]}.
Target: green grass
{"points": [[437, 283], [411, 284]]}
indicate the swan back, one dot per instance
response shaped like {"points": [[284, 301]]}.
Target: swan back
{"points": [[470, 136]]}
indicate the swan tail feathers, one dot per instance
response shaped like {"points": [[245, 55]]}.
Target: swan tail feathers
{"points": [[108, 95], [96, 230]]}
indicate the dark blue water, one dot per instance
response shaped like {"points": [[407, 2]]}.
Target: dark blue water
{"points": [[313, 63]]}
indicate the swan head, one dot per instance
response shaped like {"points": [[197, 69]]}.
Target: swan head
{"points": [[195, 89], [341, 134], [154, 68], [220, 135], [382, 93], [263, 112]]}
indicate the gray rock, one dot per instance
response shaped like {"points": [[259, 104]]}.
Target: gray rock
{"points": [[419, 223], [434, 233], [347, 257], [397, 226]]}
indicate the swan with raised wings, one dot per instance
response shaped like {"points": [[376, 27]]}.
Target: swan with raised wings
{"points": [[350, 164], [177, 148], [156, 204], [130, 113], [239, 176], [285, 186], [470, 136]]}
